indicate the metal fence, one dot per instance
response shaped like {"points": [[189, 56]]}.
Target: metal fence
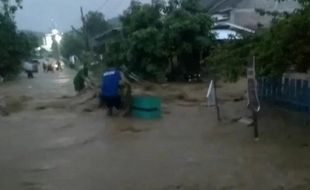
{"points": [[287, 92]]}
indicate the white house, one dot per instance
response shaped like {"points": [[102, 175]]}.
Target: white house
{"points": [[48, 39]]}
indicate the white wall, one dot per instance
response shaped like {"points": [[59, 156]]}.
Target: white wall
{"points": [[245, 15]]}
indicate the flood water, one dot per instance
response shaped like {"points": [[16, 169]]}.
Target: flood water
{"points": [[63, 148]]}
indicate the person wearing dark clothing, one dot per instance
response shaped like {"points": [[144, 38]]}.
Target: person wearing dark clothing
{"points": [[58, 64], [29, 68], [110, 83], [29, 74]]}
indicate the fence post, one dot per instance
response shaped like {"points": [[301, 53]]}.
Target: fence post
{"points": [[299, 101], [286, 91], [255, 123], [306, 93]]}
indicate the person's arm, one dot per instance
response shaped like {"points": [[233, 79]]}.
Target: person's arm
{"points": [[124, 80]]}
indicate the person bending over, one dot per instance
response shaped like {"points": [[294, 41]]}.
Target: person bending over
{"points": [[111, 81]]}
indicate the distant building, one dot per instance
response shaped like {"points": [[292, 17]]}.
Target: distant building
{"points": [[235, 19], [48, 39], [244, 12], [226, 34], [101, 39]]}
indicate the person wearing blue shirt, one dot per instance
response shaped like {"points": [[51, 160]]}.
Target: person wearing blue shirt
{"points": [[110, 92]]}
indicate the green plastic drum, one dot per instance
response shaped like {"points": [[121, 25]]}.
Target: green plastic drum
{"points": [[146, 107]]}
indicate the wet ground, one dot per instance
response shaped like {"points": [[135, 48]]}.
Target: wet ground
{"points": [[62, 148]]}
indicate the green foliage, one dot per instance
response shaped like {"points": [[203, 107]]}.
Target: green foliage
{"points": [[76, 41], [286, 45], [156, 33], [9, 52], [115, 53], [229, 59], [95, 23], [283, 47], [27, 43], [187, 34], [72, 44], [152, 35], [15, 46], [142, 47], [9, 7]]}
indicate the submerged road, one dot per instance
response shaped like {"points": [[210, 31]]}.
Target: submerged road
{"points": [[57, 148]]}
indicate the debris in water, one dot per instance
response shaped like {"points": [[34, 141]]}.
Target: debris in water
{"points": [[3, 112], [41, 108], [233, 120], [32, 185], [239, 99], [132, 129], [42, 168], [246, 121], [88, 110], [181, 96]]}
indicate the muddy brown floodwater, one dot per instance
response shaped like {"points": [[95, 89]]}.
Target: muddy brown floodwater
{"points": [[47, 145]]}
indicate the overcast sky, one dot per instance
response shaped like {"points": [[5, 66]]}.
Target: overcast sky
{"points": [[37, 14]]}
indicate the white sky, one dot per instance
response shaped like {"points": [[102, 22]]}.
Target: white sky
{"points": [[36, 15]]}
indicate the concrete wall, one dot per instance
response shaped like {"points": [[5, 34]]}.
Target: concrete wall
{"points": [[243, 11], [287, 5]]}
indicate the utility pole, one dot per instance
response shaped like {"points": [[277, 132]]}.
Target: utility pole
{"points": [[253, 100], [86, 36], [218, 113], [85, 30]]}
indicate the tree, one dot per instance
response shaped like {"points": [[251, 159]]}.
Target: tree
{"points": [[229, 59], [154, 34], [187, 33], [27, 43], [143, 39], [9, 7], [15, 45], [9, 53], [95, 23], [286, 45], [78, 42], [72, 44], [282, 47]]}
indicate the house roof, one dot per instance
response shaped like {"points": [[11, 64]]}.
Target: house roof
{"points": [[231, 26], [226, 34], [103, 37]]}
